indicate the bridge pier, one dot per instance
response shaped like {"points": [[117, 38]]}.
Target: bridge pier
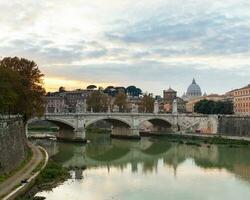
{"points": [[125, 133], [80, 136], [69, 135]]}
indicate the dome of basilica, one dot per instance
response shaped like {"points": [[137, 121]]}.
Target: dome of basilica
{"points": [[193, 90]]}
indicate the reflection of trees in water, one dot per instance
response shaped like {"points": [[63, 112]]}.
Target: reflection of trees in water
{"points": [[112, 154], [236, 160], [67, 151], [147, 153], [157, 148]]}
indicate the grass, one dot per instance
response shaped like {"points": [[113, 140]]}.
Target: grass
{"points": [[52, 175], [53, 171], [5, 176], [196, 140], [225, 141]]}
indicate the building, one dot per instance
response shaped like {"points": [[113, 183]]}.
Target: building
{"points": [[54, 104], [65, 101], [75, 96], [169, 95], [193, 91], [241, 100], [168, 98]]}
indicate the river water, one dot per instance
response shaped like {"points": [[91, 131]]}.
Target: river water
{"points": [[152, 168]]}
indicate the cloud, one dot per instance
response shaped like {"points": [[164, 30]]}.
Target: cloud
{"points": [[153, 44], [154, 76], [213, 33]]}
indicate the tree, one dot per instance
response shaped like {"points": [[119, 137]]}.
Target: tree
{"points": [[120, 89], [8, 87], [91, 87], [213, 107], [30, 89], [148, 103], [62, 89], [133, 91], [98, 101], [110, 90], [121, 101]]}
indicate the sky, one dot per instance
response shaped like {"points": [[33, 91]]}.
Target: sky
{"points": [[152, 44]]}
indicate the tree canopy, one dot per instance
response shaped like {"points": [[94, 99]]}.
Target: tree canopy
{"points": [[121, 101], [214, 107], [21, 89], [62, 89], [91, 87], [97, 101], [133, 91], [148, 103]]}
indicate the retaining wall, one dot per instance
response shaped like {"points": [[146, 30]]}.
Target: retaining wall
{"points": [[234, 125], [13, 143]]}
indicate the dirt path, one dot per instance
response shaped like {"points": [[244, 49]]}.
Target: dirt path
{"points": [[7, 186]]}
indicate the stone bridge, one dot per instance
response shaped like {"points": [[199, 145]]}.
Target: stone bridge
{"points": [[127, 125]]}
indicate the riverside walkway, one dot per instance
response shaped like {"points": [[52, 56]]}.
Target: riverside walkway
{"points": [[23, 174]]}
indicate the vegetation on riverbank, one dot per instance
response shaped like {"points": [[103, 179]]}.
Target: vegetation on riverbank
{"points": [[198, 140], [5, 176], [52, 175], [53, 171]]}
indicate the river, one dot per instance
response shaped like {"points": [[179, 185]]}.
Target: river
{"points": [[152, 168]]}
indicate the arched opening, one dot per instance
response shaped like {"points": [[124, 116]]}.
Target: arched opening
{"points": [[110, 122], [113, 126], [155, 126], [50, 128]]}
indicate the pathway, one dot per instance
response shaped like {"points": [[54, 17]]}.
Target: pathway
{"points": [[25, 173]]}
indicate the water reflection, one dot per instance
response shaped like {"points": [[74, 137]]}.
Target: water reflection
{"points": [[155, 159], [104, 152]]}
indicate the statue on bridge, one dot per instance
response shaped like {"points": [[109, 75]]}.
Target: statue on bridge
{"points": [[134, 108], [116, 109], [65, 108], [175, 107], [156, 107], [81, 106]]}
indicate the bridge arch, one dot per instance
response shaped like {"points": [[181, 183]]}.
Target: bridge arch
{"points": [[158, 124], [112, 120], [66, 128], [61, 123]]}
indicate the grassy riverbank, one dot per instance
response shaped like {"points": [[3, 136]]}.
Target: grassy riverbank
{"points": [[52, 175], [198, 140]]}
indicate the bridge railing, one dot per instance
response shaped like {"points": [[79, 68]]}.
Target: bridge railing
{"points": [[9, 117], [125, 114]]}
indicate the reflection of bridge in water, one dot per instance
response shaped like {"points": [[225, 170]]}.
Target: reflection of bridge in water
{"points": [[121, 153], [147, 154]]}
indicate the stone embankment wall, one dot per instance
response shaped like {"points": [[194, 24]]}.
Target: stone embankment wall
{"points": [[234, 125], [13, 143]]}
